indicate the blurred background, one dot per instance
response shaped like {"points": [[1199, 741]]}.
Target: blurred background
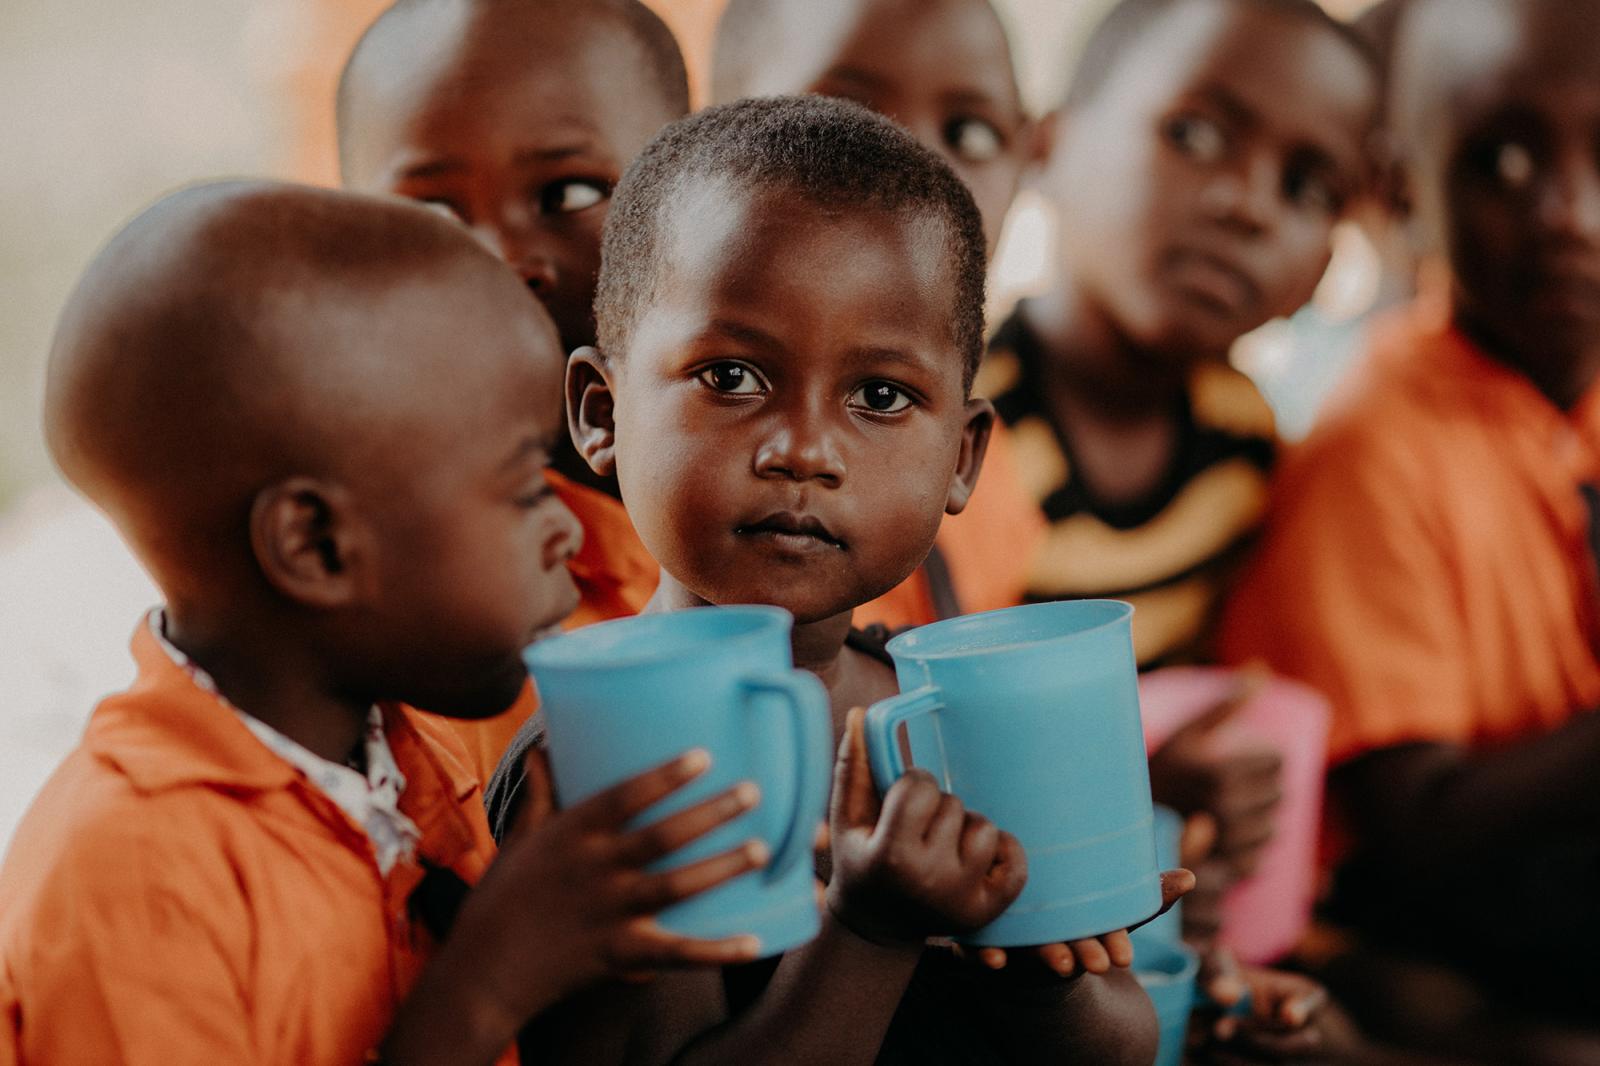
{"points": [[110, 105]]}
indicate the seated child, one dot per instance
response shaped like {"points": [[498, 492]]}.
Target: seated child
{"points": [[516, 119], [321, 421], [1430, 563], [790, 312], [943, 70]]}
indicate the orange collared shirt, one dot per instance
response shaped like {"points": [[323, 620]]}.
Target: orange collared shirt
{"points": [[1426, 563], [987, 549], [179, 894], [615, 576]]}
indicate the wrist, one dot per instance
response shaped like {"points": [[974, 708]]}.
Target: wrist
{"points": [[862, 925]]}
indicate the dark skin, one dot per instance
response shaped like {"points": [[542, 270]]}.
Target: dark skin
{"points": [[353, 514], [1213, 217], [1503, 125], [941, 69], [788, 407], [512, 120]]}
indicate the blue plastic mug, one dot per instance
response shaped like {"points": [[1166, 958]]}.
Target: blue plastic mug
{"points": [[1169, 837], [1031, 716], [623, 696], [1166, 971]]}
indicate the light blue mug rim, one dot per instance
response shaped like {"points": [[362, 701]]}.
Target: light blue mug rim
{"points": [[907, 643], [566, 650]]}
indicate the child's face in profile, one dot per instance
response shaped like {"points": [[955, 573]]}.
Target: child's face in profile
{"points": [[469, 543], [521, 138], [1520, 192], [1199, 185], [942, 69], [790, 417]]}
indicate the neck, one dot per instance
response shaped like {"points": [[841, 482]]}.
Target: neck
{"points": [[1093, 362], [272, 679], [817, 645], [1563, 375]]}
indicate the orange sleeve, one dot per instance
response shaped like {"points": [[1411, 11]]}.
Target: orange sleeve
{"points": [[1353, 592], [137, 953]]}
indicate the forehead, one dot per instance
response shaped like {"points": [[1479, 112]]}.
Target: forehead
{"points": [[931, 46], [1279, 71], [1539, 60], [507, 85], [791, 264]]}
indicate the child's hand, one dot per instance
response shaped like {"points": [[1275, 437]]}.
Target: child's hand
{"points": [[1241, 788], [568, 901], [1093, 954], [1290, 1016], [918, 864]]}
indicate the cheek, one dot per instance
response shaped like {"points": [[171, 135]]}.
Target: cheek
{"points": [[1302, 260]]}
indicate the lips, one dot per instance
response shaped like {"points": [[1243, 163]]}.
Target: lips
{"points": [[791, 532], [1214, 280]]}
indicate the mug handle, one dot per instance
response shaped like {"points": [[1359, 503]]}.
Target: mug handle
{"points": [[813, 739], [883, 718]]}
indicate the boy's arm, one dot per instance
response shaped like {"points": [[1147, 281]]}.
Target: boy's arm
{"points": [[1433, 807], [565, 904]]}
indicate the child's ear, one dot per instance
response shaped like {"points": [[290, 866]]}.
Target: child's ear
{"points": [[308, 543], [974, 443], [591, 410]]}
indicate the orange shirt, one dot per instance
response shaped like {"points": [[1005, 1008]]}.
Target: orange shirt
{"points": [[179, 894], [1426, 563], [987, 549], [615, 576]]}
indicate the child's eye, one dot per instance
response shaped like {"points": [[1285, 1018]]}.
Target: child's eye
{"points": [[535, 497], [731, 378], [567, 197], [974, 140], [880, 397], [1513, 165], [1312, 191], [1198, 137]]}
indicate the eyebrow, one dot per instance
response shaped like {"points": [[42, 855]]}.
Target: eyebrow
{"points": [[757, 338], [434, 168], [1230, 103]]}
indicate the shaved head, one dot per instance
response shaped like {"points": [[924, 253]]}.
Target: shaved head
{"points": [[414, 41], [234, 335]]}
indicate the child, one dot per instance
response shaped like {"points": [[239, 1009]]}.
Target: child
{"points": [[943, 70], [1202, 155], [256, 853], [516, 119], [791, 311], [1430, 562]]}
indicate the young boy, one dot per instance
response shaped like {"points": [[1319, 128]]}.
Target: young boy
{"points": [[1431, 559], [1202, 155], [516, 119], [791, 311], [321, 421], [943, 70]]}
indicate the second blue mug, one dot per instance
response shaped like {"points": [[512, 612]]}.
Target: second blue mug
{"points": [[1030, 715]]}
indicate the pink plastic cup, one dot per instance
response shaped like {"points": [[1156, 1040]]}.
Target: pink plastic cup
{"points": [[1265, 915]]}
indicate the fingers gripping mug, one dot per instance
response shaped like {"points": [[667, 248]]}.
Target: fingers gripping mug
{"points": [[623, 696], [1030, 715]]}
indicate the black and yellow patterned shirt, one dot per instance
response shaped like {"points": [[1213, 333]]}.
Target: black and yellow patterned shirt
{"points": [[1173, 554]]}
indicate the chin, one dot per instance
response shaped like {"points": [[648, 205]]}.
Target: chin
{"points": [[486, 697]]}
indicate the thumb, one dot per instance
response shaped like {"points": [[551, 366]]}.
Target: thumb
{"points": [[855, 802], [1009, 873], [1199, 838], [1221, 978]]}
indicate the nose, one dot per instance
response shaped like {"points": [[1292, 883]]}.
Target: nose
{"points": [[801, 446], [1244, 197], [512, 234], [563, 538], [1570, 205]]}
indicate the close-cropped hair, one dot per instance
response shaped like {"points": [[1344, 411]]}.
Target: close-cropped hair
{"points": [[654, 40], [833, 153], [1130, 20]]}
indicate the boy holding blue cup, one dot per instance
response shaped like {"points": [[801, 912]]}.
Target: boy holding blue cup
{"points": [[790, 312]]}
